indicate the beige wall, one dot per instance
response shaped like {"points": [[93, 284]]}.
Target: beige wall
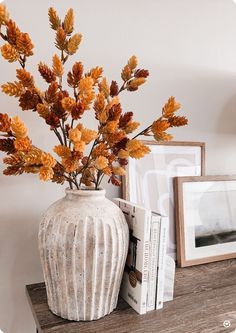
{"points": [[188, 46]]}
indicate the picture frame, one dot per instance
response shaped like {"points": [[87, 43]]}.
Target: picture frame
{"points": [[205, 210], [149, 182]]}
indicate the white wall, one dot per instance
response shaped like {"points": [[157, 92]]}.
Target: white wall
{"points": [[188, 46]]}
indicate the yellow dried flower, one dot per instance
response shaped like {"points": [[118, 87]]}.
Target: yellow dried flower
{"points": [[23, 144], [60, 38], [68, 23], [86, 92], [137, 149], [62, 151], [135, 83], [33, 156], [162, 136], [43, 110], [74, 135], [104, 87], [88, 99], [123, 153], [126, 73], [18, 127], [133, 62], [70, 164], [160, 126], [88, 135], [9, 53], [24, 44], [13, 89], [99, 103], [107, 171], [102, 116], [95, 73], [111, 126], [4, 15], [45, 173], [85, 86], [57, 66], [119, 171], [170, 107], [131, 126], [112, 102], [79, 146], [48, 160], [100, 150], [101, 162], [68, 103], [73, 44], [54, 19]]}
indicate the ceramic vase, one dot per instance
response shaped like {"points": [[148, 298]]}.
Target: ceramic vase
{"points": [[83, 243]]}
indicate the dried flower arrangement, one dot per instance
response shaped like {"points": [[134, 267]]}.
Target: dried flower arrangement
{"points": [[109, 146]]}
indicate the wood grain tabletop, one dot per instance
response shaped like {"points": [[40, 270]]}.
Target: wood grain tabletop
{"points": [[204, 302]]}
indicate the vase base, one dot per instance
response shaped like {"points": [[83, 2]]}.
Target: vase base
{"points": [[76, 318]]}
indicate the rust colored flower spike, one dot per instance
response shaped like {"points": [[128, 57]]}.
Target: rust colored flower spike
{"points": [[83, 155], [48, 75], [54, 20]]}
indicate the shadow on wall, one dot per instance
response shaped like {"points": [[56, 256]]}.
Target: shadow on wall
{"points": [[207, 96], [19, 265], [23, 199], [227, 119]]}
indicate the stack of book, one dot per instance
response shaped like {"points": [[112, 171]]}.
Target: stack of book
{"points": [[143, 280]]}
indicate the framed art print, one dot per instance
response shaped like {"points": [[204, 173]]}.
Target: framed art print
{"points": [[206, 219], [149, 181]]}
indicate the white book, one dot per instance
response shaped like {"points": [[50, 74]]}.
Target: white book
{"points": [[169, 279], [154, 254], [134, 284], [162, 262]]}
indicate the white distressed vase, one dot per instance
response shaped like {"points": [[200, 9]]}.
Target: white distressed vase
{"points": [[83, 242]]}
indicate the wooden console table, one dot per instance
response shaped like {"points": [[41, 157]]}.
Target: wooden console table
{"points": [[205, 302]]}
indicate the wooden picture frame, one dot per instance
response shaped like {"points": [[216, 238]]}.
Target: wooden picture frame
{"points": [[192, 195], [184, 158]]}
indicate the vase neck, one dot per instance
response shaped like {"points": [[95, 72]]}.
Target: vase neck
{"points": [[89, 194]]}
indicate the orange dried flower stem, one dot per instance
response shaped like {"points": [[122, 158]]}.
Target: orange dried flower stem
{"points": [[88, 161], [58, 136], [3, 36], [71, 126], [62, 126], [143, 132]]}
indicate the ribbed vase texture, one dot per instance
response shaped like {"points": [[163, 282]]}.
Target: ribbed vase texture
{"points": [[83, 242]]}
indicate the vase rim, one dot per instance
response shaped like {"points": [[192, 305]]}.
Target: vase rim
{"points": [[87, 191]]}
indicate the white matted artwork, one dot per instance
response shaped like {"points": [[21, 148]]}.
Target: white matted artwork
{"points": [[149, 181], [206, 219]]}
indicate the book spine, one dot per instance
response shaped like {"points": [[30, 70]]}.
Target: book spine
{"points": [[143, 304], [153, 257], [161, 262]]}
